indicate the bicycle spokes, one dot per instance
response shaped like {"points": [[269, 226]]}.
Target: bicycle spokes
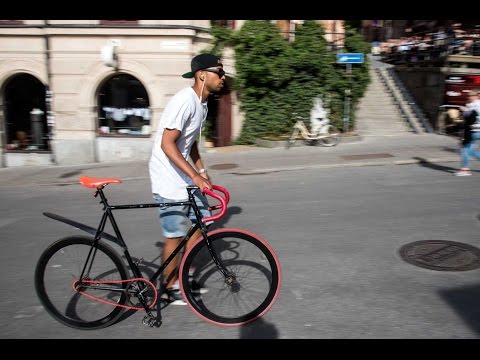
{"points": [[245, 291], [137, 287]]}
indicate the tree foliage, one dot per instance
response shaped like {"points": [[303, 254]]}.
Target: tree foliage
{"points": [[275, 78]]}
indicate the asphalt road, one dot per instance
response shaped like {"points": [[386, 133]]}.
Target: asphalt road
{"points": [[337, 232]]}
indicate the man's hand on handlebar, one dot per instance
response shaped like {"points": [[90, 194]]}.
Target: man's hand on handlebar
{"points": [[202, 181]]}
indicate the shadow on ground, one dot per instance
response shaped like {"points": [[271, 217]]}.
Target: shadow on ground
{"points": [[464, 300], [233, 210], [259, 329], [427, 164]]}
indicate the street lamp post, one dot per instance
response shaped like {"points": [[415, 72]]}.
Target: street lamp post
{"points": [[49, 93]]}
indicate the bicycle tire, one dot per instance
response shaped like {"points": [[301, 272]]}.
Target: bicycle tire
{"points": [[333, 138], [57, 269], [291, 141], [258, 278]]}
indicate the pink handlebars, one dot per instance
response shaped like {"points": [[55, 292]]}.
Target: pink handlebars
{"points": [[223, 202]]}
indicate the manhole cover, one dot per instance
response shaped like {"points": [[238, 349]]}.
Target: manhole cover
{"points": [[441, 255], [367, 156], [223, 166]]}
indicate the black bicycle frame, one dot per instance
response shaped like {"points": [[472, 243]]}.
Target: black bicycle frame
{"points": [[99, 233], [108, 214]]}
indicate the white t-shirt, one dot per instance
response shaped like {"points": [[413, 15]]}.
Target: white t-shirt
{"points": [[186, 113]]}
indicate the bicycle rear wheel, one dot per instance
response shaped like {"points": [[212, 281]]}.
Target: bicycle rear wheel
{"points": [[333, 137], [61, 265], [291, 141], [251, 262]]}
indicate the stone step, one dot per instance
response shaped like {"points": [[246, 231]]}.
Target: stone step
{"points": [[382, 122], [380, 114], [377, 114], [381, 91], [372, 103], [395, 123], [383, 107]]}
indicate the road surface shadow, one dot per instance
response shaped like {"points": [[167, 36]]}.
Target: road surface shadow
{"points": [[427, 164], [259, 329], [451, 149], [233, 210], [464, 300]]}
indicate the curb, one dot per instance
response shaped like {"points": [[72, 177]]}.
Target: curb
{"points": [[325, 166], [344, 139], [55, 182]]}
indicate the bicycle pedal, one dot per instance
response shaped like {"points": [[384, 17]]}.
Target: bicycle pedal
{"points": [[151, 321]]}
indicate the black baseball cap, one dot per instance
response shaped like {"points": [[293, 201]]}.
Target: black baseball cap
{"points": [[202, 61]]}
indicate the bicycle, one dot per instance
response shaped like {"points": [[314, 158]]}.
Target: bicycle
{"points": [[324, 132], [84, 283]]}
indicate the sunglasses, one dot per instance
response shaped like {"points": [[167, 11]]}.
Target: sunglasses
{"points": [[219, 72]]}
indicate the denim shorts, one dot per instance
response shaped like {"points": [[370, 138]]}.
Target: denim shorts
{"points": [[175, 221]]}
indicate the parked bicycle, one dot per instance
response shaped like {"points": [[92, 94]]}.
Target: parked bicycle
{"points": [[85, 284], [321, 131]]}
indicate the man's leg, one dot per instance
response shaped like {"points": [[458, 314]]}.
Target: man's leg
{"points": [[174, 224], [170, 272]]}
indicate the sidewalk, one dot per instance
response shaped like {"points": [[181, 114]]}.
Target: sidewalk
{"points": [[248, 160]]}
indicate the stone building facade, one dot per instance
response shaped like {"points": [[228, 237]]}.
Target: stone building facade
{"points": [[85, 91]]}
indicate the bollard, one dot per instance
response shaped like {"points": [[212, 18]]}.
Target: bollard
{"points": [[36, 116]]}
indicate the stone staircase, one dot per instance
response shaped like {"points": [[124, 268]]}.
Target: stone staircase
{"points": [[377, 114]]}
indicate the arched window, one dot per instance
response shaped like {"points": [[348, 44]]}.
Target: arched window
{"points": [[124, 107], [25, 114]]}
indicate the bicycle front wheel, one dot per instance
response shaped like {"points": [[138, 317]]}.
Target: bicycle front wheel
{"points": [[250, 289], [60, 266], [331, 137], [291, 141]]}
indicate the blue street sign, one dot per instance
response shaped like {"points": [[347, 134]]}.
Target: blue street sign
{"points": [[351, 58]]}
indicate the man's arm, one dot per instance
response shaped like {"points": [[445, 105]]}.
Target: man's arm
{"points": [[169, 147], [197, 160]]}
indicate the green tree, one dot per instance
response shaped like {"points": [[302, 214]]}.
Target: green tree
{"points": [[275, 78], [313, 64], [263, 70]]}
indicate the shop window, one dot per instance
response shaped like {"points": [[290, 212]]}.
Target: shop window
{"points": [[25, 114], [124, 107]]}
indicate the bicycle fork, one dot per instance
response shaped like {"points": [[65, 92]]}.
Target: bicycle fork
{"points": [[230, 278]]}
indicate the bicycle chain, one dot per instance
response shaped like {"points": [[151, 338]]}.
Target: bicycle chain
{"points": [[148, 282]]}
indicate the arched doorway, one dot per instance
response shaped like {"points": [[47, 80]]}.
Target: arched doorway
{"points": [[25, 114], [219, 118], [123, 107]]}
